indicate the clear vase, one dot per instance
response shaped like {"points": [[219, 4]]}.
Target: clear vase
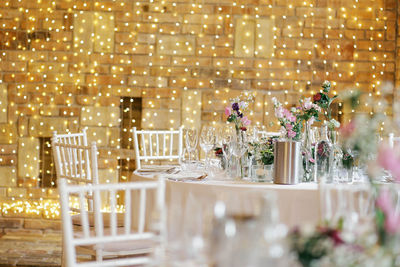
{"points": [[324, 157], [239, 152], [337, 154], [308, 155]]}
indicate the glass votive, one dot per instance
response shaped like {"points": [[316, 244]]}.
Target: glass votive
{"points": [[261, 173]]}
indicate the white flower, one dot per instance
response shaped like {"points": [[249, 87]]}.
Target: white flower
{"points": [[326, 84], [334, 123]]}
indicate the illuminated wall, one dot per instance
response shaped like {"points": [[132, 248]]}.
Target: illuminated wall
{"points": [[66, 64]]}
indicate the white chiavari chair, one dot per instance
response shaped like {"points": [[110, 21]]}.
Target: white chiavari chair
{"points": [[157, 145], [77, 164], [71, 138], [115, 246], [265, 134], [393, 140], [352, 203]]}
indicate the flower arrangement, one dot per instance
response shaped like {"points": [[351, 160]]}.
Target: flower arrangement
{"points": [[311, 246], [289, 121], [309, 111], [263, 151], [324, 101], [235, 111], [292, 120], [347, 160]]}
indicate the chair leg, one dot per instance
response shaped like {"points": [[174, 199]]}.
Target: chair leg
{"points": [[63, 259]]}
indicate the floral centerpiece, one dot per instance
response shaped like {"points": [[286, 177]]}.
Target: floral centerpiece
{"points": [[324, 101], [263, 151], [290, 123], [235, 111]]}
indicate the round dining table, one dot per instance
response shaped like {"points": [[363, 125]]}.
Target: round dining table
{"points": [[297, 204]]}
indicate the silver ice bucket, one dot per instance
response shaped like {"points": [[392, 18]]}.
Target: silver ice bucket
{"points": [[287, 162]]}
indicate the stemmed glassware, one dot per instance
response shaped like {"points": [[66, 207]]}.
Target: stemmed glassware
{"points": [[239, 147], [207, 142], [191, 142], [226, 137]]}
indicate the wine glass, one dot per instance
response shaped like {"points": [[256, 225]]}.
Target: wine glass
{"points": [[226, 136], [239, 147], [191, 142], [207, 141]]}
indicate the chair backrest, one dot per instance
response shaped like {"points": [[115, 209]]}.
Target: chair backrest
{"points": [[157, 145], [351, 202], [71, 138], [75, 162], [99, 238], [267, 134], [393, 139]]}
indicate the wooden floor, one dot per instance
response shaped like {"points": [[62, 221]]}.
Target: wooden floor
{"points": [[30, 249]]}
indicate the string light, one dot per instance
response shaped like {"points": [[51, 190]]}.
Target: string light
{"points": [[71, 64]]}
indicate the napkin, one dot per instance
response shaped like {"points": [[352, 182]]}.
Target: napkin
{"points": [[157, 168], [186, 176]]}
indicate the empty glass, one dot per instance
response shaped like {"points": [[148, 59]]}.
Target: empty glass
{"points": [[248, 233], [207, 142], [226, 136], [239, 147], [191, 142]]}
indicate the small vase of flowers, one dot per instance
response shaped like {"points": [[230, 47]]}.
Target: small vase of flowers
{"points": [[235, 113]]}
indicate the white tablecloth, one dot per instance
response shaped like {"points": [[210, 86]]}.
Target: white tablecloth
{"points": [[297, 204]]}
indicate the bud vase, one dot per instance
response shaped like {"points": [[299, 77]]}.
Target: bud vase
{"points": [[324, 157], [308, 155]]}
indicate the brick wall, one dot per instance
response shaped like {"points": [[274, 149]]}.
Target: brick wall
{"points": [[65, 65]]}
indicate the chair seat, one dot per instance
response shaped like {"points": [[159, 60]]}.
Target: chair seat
{"points": [[76, 219], [120, 249]]}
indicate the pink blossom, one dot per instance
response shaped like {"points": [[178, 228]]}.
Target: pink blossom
{"points": [[286, 113], [384, 201], [392, 218], [312, 160], [228, 111], [291, 118], [279, 112], [390, 161], [311, 121], [291, 133], [392, 222], [347, 129], [289, 127], [307, 104], [316, 107], [245, 121], [242, 105]]}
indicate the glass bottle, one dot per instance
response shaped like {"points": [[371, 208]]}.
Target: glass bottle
{"points": [[337, 152], [324, 156], [308, 155]]}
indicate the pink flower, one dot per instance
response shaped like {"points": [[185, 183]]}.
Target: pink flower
{"points": [[392, 222], [311, 121], [347, 129], [390, 161], [289, 127], [242, 105], [384, 201], [245, 121], [307, 104], [292, 118], [279, 112], [291, 133], [228, 111], [392, 217]]}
